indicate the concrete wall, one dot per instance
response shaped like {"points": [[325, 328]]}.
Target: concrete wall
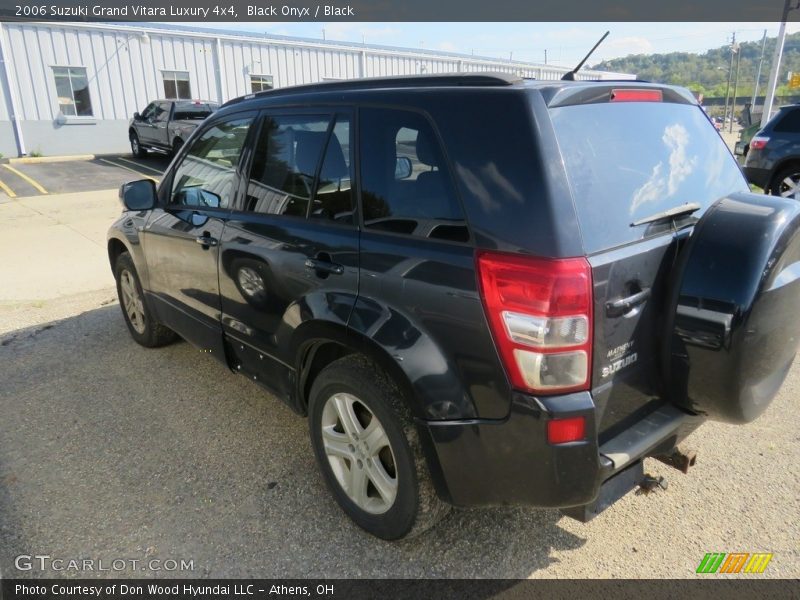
{"points": [[124, 67], [51, 138], [8, 145]]}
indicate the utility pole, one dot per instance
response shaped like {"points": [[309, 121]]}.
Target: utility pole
{"points": [[776, 63], [730, 75], [738, 51], [545, 56], [758, 72]]}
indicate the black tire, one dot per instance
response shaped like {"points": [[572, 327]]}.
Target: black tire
{"points": [[778, 187], [176, 146], [145, 330], [416, 507], [136, 148]]}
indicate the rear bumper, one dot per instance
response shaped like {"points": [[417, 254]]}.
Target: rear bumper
{"points": [[479, 463], [757, 176]]}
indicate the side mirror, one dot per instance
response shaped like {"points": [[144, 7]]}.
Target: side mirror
{"points": [[403, 168], [138, 195], [137, 116]]}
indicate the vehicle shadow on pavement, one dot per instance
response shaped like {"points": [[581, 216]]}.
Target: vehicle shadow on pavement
{"points": [[112, 451]]}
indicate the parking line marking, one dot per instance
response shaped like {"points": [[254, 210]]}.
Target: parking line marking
{"points": [[113, 164], [130, 162], [8, 191], [26, 178]]}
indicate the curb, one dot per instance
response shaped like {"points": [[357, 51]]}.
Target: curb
{"points": [[26, 160]]}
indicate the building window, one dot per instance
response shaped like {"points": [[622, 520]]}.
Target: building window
{"points": [[72, 90], [176, 85], [260, 83]]}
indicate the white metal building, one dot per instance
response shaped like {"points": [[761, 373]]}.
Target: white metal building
{"points": [[70, 88]]}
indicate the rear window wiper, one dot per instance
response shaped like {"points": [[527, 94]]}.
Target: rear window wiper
{"points": [[670, 213]]}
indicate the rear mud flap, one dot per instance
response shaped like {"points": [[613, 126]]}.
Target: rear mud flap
{"points": [[612, 490]]}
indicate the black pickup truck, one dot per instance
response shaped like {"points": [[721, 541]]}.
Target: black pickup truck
{"points": [[166, 124], [480, 290]]}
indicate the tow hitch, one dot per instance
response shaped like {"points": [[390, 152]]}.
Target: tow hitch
{"points": [[680, 458]]}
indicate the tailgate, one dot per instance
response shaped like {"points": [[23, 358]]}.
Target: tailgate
{"points": [[626, 164]]}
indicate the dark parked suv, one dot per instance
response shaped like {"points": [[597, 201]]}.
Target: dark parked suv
{"points": [[480, 290], [773, 156]]}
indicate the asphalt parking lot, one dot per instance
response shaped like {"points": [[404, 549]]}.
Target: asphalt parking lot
{"points": [[26, 179], [112, 451]]}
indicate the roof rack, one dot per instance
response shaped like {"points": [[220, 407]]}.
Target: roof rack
{"points": [[487, 79]]}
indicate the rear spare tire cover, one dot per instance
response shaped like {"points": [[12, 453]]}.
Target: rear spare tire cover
{"points": [[733, 325]]}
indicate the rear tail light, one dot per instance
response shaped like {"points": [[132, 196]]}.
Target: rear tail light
{"points": [[633, 95], [563, 431], [758, 142], [540, 314]]}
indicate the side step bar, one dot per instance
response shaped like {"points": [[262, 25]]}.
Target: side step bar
{"points": [[636, 441]]}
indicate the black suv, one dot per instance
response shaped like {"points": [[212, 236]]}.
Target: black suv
{"points": [[773, 156], [480, 290]]}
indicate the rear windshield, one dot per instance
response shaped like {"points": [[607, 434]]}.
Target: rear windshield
{"points": [[193, 110], [631, 160]]}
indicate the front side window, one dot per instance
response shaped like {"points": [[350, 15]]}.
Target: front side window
{"points": [[176, 85], [149, 112], [161, 113], [72, 90], [287, 153], [206, 177], [260, 83], [406, 187]]}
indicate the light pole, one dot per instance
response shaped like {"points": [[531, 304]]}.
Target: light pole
{"points": [[735, 85], [730, 75], [776, 62], [758, 72]]}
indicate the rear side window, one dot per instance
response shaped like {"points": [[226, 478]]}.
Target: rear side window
{"points": [[630, 160], [193, 110], [789, 122], [405, 184]]}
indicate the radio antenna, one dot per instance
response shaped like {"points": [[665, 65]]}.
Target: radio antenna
{"points": [[571, 75]]}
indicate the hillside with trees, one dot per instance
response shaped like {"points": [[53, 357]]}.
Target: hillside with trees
{"points": [[708, 72]]}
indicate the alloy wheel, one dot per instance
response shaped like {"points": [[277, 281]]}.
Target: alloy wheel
{"points": [[359, 453], [789, 186], [132, 302]]}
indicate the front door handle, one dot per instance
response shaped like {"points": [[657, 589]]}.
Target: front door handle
{"points": [[324, 266], [622, 306], [206, 240]]}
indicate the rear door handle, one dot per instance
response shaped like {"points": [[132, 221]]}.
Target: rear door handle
{"points": [[616, 308], [324, 266], [206, 240]]}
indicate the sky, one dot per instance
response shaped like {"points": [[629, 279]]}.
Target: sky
{"points": [[565, 43]]}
